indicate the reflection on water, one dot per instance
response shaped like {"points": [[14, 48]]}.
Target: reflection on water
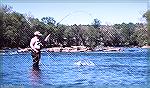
{"points": [[35, 75]]}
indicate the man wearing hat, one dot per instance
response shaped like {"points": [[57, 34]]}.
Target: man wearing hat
{"points": [[36, 46]]}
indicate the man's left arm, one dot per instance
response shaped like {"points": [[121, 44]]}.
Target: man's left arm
{"points": [[45, 41]]}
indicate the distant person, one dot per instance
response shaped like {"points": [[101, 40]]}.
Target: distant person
{"points": [[36, 45]]}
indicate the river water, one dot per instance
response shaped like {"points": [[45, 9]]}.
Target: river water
{"points": [[129, 68]]}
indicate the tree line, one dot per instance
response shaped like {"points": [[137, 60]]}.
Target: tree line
{"points": [[16, 30]]}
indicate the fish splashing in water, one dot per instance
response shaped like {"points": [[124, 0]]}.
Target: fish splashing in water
{"points": [[84, 63]]}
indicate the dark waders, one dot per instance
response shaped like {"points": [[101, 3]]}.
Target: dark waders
{"points": [[36, 58]]}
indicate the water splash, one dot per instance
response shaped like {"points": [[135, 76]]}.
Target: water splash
{"points": [[84, 63]]}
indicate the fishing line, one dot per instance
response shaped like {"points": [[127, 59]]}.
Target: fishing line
{"points": [[72, 13]]}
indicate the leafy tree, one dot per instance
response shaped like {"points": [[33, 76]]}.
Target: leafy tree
{"points": [[91, 36], [4, 10], [96, 23], [60, 35], [147, 16], [16, 30], [48, 20], [127, 31], [139, 36]]}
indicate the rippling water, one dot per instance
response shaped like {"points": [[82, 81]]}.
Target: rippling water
{"points": [[125, 69]]}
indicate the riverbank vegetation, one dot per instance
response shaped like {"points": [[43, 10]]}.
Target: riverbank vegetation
{"points": [[17, 29]]}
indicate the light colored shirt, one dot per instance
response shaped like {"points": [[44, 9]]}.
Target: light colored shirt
{"points": [[35, 44]]}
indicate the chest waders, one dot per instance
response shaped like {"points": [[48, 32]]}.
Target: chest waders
{"points": [[36, 58]]}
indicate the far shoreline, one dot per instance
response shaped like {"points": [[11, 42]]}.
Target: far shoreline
{"points": [[74, 49]]}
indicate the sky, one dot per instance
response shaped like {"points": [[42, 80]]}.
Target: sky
{"points": [[85, 13]]}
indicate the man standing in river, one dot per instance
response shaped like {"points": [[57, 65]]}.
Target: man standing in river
{"points": [[36, 45]]}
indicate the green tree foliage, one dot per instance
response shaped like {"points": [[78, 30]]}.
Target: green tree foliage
{"points": [[48, 20], [139, 36], [147, 16], [16, 30], [91, 36], [96, 23], [126, 31], [60, 35]]}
